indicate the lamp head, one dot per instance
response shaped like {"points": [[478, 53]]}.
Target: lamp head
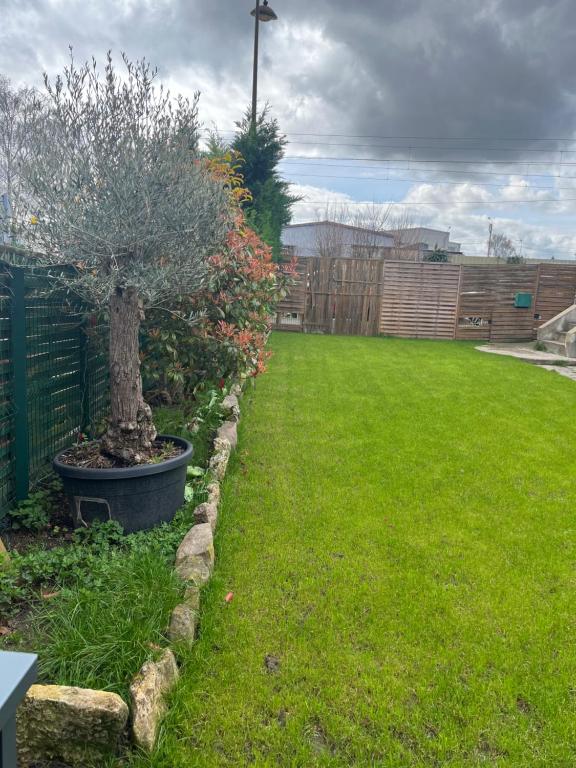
{"points": [[265, 13]]}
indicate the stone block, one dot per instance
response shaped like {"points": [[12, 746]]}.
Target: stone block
{"points": [[195, 555], [229, 431], [73, 725], [4, 556], [183, 624], [213, 489], [231, 407], [148, 693], [206, 513], [219, 461]]}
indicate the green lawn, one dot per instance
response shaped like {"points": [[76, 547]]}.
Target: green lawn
{"points": [[399, 532]]}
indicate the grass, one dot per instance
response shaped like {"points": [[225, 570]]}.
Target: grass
{"points": [[398, 531], [99, 637]]}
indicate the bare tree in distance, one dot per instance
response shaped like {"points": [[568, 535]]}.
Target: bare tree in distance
{"points": [[503, 248], [403, 228], [369, 223]]}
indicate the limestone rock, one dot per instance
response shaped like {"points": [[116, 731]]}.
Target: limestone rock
{"points": [[183, 624], [195, 555], [236, 390], [148, 693], [213, 493], [229, 431], [192, 598], [4, 556], [74, 725], [206, 513], [231, 407], [220, 458]]}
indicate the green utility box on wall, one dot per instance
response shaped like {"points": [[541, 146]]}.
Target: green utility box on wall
{"points": [[523, 300]]}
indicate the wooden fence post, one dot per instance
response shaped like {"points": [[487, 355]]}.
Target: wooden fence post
{"points": [[18, 345]]}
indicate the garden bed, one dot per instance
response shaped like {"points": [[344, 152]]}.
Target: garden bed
{"points": [[81, 598]]}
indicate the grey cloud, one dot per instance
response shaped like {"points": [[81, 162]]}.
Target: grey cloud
{"points": [[414, 68], [444, 70]]}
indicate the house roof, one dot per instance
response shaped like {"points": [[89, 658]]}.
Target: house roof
{"points": [[384, 232]]}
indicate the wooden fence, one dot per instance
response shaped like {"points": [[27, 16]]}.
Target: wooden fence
{"points": [[423, 299]]}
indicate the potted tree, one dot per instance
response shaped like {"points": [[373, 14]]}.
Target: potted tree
{"points": [[120, 192]]}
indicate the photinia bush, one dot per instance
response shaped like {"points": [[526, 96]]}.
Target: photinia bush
{"points": [[221, 330]]}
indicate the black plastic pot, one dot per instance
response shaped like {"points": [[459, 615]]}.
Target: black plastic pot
{"points": [[137, 497]]}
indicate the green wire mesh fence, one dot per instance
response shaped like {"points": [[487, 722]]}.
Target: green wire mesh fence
{"points": [[53, 375]]}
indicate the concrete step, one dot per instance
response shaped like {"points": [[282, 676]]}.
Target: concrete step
{"points": [[527, 353], [557, 336], [558, 347]]}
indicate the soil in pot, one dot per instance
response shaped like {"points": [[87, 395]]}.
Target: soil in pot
{"points": [[90, 456]]}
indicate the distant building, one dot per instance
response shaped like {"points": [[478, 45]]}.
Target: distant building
{"points": [[336, 240], [427, 240], [330, 238]]}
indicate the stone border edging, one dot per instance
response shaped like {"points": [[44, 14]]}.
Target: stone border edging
{"points": [[65, 723]]}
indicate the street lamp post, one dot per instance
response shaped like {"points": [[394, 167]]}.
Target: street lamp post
{"points": [[260, 13]]}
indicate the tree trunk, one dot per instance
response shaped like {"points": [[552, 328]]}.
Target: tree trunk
{"points": [[131, 431]]}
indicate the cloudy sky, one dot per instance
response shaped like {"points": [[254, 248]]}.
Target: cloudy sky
{"points": [[453, 110]]}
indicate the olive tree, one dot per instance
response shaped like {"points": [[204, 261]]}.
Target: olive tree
{"points": [[121, 193], [20, 111]]}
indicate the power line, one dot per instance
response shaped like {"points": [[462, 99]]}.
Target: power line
{"points": [[411, 147], [529, 139], [437, 202], [458, 161], [423, 181], [431, 170], [408, 147]]}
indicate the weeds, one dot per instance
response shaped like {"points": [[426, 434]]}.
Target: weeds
{"points": [[35, 512]]}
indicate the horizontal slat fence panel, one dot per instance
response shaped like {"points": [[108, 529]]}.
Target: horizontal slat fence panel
{"points": [[510, 323], [475, 304], [419, 300], [556, 290], [486, 308]]}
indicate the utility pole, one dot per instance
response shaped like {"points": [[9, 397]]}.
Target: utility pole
{"points": [[490, 226], [255, 65]]}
